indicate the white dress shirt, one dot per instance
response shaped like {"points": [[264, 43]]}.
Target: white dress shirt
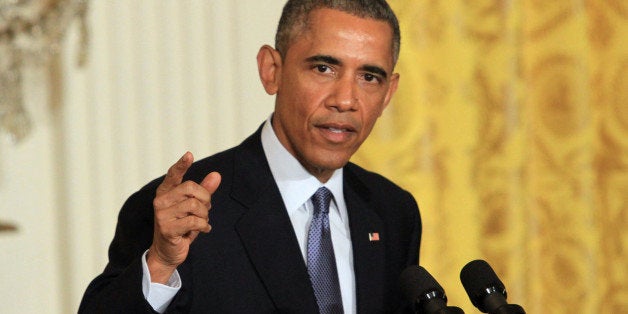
{"points": [[296, 186]]}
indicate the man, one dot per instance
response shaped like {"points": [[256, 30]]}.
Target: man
{"points": [[253, 250]]}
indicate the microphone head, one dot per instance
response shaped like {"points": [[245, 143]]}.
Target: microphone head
{"points": [[479, 280], [418, 285]]}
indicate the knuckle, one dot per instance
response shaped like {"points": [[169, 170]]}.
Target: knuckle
{"points": [[187, 204], [159, 217], [189, 187], [196, 206], [192, 205], [169, 173], [190, 223], [160, 226], [197, 223], [158, 203], [161, 189], [185, 187]]}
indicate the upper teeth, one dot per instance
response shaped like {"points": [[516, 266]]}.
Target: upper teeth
{"points": [[335, 130]]}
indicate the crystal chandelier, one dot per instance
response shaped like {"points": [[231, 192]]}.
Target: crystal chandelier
{"points": [[30, 33]]}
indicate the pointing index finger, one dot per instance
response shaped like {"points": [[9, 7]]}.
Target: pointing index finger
{"points": [[175, 173]]}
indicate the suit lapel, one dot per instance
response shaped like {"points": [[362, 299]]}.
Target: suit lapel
{"points": [[368, 254], [267, 234]]}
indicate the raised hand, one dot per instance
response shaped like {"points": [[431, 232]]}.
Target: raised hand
{"points": [[181, 213]]}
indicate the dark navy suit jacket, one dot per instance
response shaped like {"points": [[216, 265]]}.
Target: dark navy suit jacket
{"points": [[251, 262]]}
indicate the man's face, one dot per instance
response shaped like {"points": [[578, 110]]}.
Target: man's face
{"points": [[333, 84]]}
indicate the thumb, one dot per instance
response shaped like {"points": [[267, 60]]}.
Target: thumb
{"points": [[211, 182]]}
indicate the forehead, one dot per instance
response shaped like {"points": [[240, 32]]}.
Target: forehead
{"points": [[340, 34]]}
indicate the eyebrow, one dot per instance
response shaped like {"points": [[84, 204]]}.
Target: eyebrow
{"points": [[375, 69], [334, 61], [323, 58]]}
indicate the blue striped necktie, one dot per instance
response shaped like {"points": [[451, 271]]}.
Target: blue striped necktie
{"points": [[321, 262]]}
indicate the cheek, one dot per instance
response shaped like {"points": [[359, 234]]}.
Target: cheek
{"points": [[368, 126], [303, 102], [372, 113]]}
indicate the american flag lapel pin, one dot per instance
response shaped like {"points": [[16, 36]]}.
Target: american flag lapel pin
{"points": [[373, 236]]}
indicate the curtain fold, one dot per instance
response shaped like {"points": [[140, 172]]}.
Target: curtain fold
{"points": [[510, 127]]}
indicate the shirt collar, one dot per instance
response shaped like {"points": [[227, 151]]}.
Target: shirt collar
{"points": [[295, 183]]}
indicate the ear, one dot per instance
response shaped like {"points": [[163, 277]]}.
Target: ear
{"points": [[269, 68], [392, 88]]}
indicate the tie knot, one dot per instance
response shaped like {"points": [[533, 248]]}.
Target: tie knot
{"points": [[321, 200]]}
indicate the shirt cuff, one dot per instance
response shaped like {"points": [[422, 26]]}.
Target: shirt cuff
{"points": [[159, 295]]}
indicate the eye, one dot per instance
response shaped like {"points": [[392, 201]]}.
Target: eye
{"points": [[322, 68], [371, 78]]}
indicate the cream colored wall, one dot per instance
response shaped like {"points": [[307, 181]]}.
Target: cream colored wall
{"points": [[163, 77]]}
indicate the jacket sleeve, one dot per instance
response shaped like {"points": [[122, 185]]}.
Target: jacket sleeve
{"points": [[119, 288]]}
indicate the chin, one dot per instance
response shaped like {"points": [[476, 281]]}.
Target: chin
{"points": [[331, 162]]}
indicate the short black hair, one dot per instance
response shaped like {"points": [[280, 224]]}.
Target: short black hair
{"points": [[295, 17]]}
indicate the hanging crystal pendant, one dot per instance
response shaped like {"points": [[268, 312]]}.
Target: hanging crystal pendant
{"points": [[30, 33]]}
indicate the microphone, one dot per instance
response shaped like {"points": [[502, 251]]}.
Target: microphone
{"points": [[420, 288], [485, 289]]}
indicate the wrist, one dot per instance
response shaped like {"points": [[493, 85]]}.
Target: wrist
{"points": [[160, 272]]}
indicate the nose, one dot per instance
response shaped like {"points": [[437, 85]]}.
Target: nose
{"points": [[344, 96]]}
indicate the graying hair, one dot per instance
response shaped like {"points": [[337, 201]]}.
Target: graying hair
{"points": [[296, 12]]}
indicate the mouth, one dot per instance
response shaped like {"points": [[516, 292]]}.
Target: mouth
{"points": [[337, 128], [337, 133]]}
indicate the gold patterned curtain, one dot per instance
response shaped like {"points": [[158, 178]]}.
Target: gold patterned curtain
{"points": [[510, 127]]}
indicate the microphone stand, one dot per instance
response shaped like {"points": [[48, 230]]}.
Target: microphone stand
{"points": [[435, 305], [509, 309]]}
